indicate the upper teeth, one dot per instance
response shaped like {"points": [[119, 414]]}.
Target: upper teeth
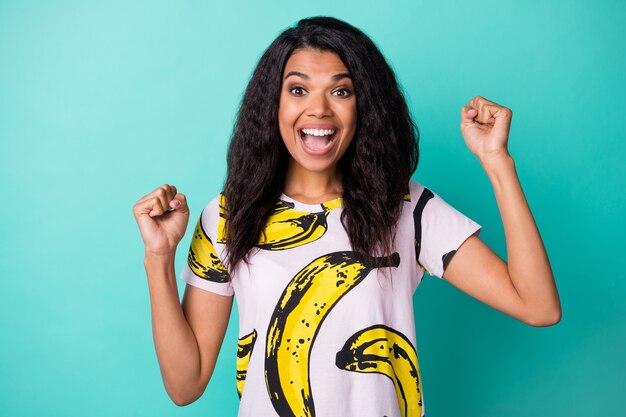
{"points": [[318, 132]]}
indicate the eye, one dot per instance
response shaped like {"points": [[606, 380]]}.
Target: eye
{"points": [[342, 92], [297, 91]]}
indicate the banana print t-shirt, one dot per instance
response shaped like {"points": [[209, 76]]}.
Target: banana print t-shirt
{"points": [[322, 331]]}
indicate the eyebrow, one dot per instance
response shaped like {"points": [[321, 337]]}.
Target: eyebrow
{"points": [[335, 77]]}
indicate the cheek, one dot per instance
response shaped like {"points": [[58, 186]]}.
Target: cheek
{"points": [[350, 117], [286, 126], [286, 115]]}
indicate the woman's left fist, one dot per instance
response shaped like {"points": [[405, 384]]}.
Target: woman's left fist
{"points": [[485, 127]]}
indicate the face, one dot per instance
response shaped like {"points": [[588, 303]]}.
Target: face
{"points": [[317, 111]]}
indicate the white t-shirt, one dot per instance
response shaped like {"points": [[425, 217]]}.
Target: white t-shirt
{"points": [[323, 332]]}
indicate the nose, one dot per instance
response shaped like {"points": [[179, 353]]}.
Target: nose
{"points": [[319, 105]]}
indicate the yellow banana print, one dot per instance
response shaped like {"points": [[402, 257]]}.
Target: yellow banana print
{"points": [[245, 345], [301, 309], [287, 227], [221, 224], [386, 351], [202, 258]]}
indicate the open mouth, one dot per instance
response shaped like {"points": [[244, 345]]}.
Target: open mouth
{"points": [[317, 140]]}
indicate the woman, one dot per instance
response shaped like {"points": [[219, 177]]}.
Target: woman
{"points": [[324, 238]]}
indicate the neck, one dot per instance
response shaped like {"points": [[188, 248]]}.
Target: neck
{"points": [[312, 186]]}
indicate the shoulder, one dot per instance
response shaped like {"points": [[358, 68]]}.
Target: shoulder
{"points": [[213, 216], [425, 202], [418, 191], [214, 203], [415, 188]]}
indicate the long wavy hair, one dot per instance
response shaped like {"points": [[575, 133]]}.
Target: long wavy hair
{"points": [[375, 168]]}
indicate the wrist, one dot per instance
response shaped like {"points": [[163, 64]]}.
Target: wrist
{"points": [[497, 161], [160, 272], [159, 257]]}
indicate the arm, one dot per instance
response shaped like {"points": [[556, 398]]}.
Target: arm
{"points": [[524, 287], [187, 338]]}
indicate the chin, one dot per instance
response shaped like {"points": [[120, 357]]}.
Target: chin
{"points": [[315, 166]]}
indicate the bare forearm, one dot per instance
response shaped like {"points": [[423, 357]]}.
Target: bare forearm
{"points": [[528, 264], [175, 343]]}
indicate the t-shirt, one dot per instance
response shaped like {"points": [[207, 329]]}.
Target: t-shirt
{"points": [[324, 332]]}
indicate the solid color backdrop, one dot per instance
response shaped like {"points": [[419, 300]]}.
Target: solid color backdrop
{"points": [[101, 102]]}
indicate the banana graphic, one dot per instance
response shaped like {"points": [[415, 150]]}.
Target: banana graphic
{"points": [[386, 351], [245, 345], [202, 258], [221, 224], [303, 306], [286, 227], [425, 197]]}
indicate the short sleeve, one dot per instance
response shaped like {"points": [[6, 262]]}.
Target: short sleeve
{"points": [[204, 268], [440, 230]]}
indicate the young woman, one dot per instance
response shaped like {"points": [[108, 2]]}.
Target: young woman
{"points": [[323, 237]]}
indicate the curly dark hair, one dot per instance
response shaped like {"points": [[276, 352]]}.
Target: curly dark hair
{"points": [[376, 167]]}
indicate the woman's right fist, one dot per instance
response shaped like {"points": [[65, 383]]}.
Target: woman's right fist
{"points": [[162, 217]]}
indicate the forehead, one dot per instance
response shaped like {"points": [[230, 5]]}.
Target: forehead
{"points": [[315, 62]]}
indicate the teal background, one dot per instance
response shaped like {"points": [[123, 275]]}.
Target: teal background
{"points": [[101, 102]]}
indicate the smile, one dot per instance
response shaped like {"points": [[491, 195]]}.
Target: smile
{"points": [[317, 141]]}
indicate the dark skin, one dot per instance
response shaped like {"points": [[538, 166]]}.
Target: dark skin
{"points": [[524, 286], [188, 337]]}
